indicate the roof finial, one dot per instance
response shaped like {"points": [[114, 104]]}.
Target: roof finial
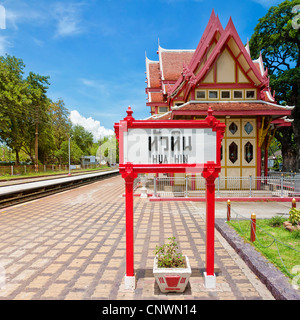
{"points": [[248, 47], [158, 42]]}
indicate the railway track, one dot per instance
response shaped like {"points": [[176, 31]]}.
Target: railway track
{"points": [[16, 194]]}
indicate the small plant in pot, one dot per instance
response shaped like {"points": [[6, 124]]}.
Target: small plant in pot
{"points": [[171, 269]]}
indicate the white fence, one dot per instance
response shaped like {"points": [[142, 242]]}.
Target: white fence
{"points": [[194, 186]]}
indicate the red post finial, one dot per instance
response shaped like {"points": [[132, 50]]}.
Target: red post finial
{"points": [[129, 112], [210, 112], [129, 115]]}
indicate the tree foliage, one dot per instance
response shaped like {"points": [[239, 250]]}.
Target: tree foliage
{"points": [[14, 101], [82, 138], [279, 44], [26, 112]]}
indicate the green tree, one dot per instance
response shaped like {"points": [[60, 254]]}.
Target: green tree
{"points": [[14, 111], [61, 125], [37, 87], [63, 152], [83, 139], [279, 43]]}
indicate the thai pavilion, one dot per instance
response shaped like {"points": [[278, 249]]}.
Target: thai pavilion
{"points": [[220, 74]]}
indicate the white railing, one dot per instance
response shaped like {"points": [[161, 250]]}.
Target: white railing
{"points": [[194, 186]]}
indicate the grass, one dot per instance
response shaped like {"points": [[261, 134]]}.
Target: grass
{"points": [[49, 173], [266, 231]]}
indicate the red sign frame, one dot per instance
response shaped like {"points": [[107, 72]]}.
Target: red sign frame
{"points": [[210, 171]]}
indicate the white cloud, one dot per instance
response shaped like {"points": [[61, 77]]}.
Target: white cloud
{"points": [[68, 19], [4, 44], [20, 12], [90, 125], [102, 87], [65, 16]]}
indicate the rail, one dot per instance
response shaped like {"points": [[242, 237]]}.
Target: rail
{"points": [[250, 187]]}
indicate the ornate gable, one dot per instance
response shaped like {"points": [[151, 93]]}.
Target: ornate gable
{"points": [[221, 61], [219, 69]]}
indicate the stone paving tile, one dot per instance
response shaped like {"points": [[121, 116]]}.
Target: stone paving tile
{"points": [[72, 246]]}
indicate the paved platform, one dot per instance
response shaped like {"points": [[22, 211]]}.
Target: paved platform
{"points": [[242, 210], [72, 246], [38, 184]]}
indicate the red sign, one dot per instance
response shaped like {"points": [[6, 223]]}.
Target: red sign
{"points": [[152, 146], [169, 146]]}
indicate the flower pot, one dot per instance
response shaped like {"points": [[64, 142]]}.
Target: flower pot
{"points": [[172, 279]]}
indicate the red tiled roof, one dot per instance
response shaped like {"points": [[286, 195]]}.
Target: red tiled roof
{"points": [[154, 74], [173, 61], [157, 97]]}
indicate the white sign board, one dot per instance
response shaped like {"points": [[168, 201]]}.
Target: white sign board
{"points": [[169, 146]]}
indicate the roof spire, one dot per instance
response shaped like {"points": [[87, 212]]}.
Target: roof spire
{"points": [[248, 47]]}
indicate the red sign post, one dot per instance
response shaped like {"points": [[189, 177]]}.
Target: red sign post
{"points": [[171, 146]]}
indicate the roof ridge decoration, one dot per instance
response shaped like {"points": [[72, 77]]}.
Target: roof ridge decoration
{"points": [[214, 26], [203, 45], [229, 31]]}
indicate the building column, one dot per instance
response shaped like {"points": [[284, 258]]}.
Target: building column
{"points": [[266, 160]]}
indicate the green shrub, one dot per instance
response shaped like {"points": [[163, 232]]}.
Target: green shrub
{"points": [[276, 221], [167, 255], [296, 234], [294, 217]]}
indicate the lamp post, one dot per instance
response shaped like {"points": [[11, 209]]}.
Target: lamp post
{"points": [[69, 157]]}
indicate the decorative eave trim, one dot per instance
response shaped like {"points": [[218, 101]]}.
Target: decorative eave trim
{"points": [[157, 116], [230, 101]]}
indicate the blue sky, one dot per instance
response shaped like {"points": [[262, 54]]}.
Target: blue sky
{"points": [[94, 51]]}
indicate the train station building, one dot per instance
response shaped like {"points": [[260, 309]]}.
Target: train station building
{"points": [[219, 73]]}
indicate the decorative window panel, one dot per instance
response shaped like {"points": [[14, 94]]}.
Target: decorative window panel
{"points": [[233, 152], [163, 109], [225, 94], [200, 94], [248, 127], [213, 94], [233, 128], [248, 152], [250, 94], [238, 94]]}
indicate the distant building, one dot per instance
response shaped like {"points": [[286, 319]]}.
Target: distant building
{"points": [[86, 160]]}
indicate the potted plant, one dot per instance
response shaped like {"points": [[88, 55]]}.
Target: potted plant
{"points": [[171, 269]]}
